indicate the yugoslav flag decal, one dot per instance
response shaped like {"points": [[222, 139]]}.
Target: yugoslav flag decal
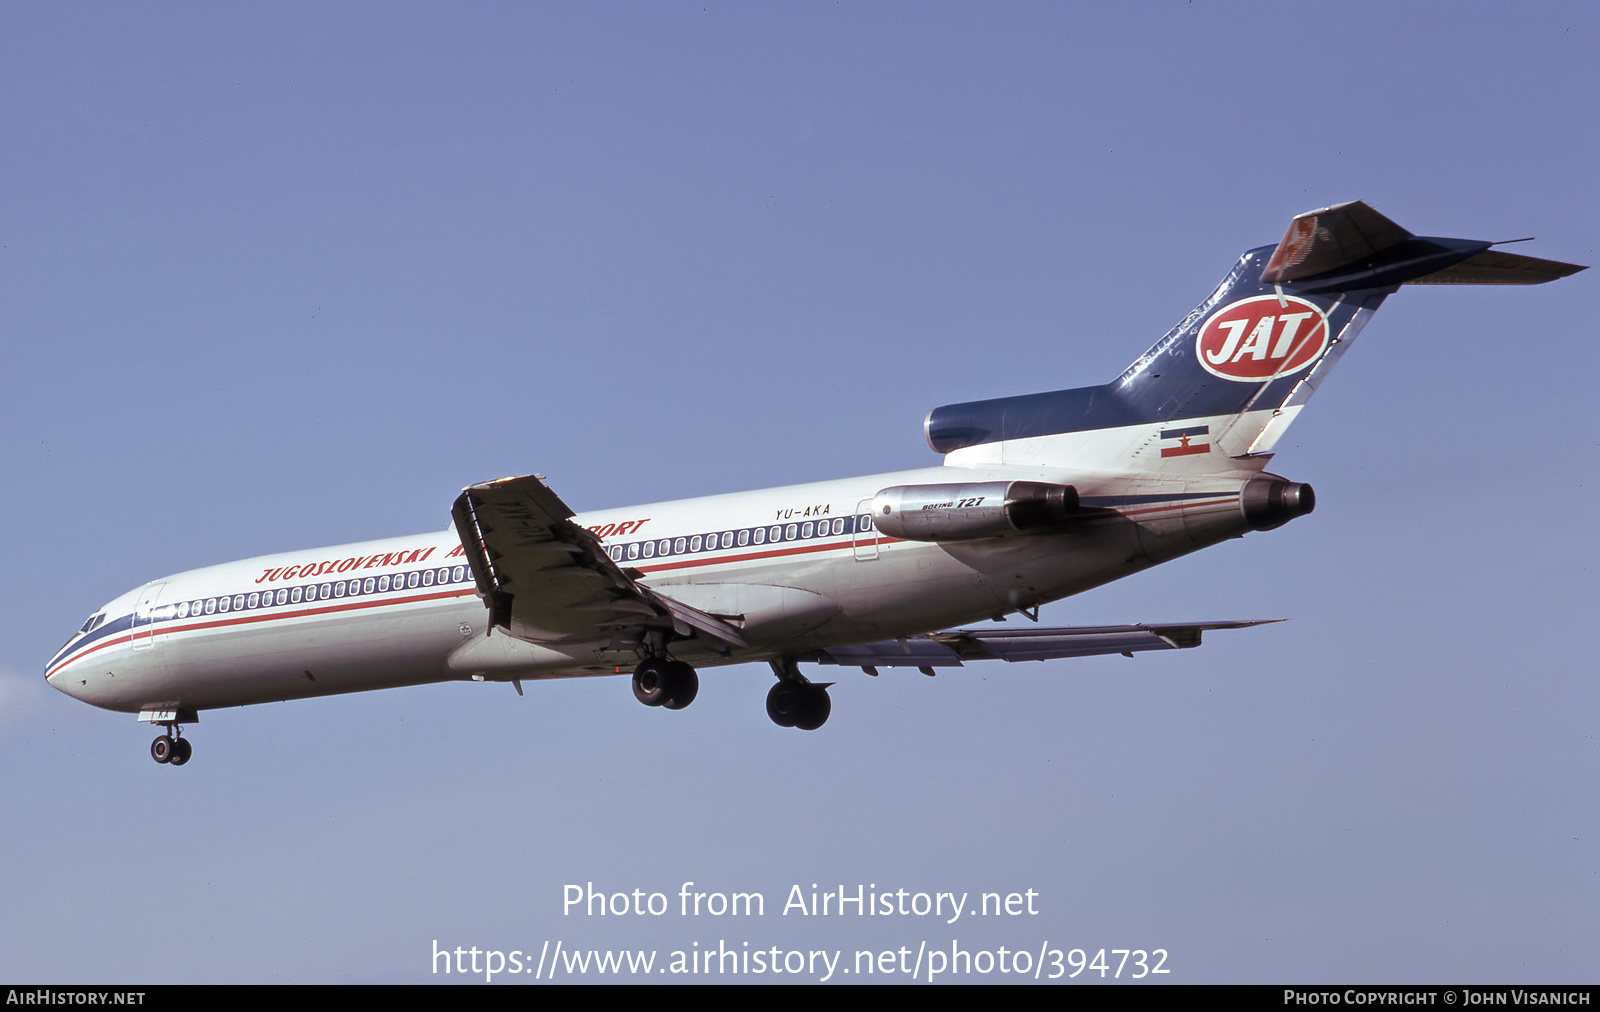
{"points": [[1186, 442], [1263, 338]]}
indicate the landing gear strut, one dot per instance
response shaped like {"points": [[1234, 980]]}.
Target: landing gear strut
{"points": [[670, 684], [796, 702], [172, 747]]}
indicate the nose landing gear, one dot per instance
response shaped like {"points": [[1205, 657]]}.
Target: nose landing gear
{"points": [[171, 748]]}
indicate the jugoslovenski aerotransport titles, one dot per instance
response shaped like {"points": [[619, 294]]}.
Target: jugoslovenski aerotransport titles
{"points": [[1039, 497]]}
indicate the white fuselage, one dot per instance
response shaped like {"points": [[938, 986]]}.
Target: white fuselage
{"points": [[795, 568]]}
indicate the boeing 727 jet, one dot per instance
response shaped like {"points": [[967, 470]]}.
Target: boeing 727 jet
{"points": [[1039, 497]]}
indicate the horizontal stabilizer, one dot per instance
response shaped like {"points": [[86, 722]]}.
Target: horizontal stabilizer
{"points": [[956, 646], [1329, 238], [1349, 246], [1492, 267]]}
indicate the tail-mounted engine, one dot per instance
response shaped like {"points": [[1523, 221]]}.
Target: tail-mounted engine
{"points": [[965, 510], [1271, 502]]}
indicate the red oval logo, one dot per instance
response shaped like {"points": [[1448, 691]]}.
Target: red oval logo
{"points": [[1263, 338]]}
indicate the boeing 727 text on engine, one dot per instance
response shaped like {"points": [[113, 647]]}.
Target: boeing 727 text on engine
{"points": [[1040, 497]]}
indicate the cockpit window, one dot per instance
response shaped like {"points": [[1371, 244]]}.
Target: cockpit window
{"points": [[93, 622]]}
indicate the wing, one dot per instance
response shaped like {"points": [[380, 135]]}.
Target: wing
{"points": [[547, 580], [957, 646]]}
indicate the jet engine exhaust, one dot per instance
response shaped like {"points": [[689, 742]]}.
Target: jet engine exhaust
{"points": [[1272, 502]]}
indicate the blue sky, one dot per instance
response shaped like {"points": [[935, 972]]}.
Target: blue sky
{"points": [[282, 279]]}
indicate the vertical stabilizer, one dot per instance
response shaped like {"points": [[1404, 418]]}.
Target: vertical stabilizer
{"points": [[1218, 391]]}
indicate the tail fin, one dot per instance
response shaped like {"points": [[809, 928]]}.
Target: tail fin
{"points": [[1233, 375]]}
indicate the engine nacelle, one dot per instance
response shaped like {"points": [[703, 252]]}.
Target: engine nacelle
{"points": [[962, 511], [1271, 502]]}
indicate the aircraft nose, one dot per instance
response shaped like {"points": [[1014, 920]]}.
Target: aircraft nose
{"points": [[65, 671], [61, 670]]}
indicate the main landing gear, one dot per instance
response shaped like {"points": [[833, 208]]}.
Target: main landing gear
{"points": [[171, 748], [660, 682], [793, 702], [796, 702]]}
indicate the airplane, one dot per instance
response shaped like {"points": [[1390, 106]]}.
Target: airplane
{"points": [[1039, 497]]}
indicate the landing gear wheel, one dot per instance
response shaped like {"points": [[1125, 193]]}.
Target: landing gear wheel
{"points": [[682, 685], [181, 751], [651, 681], [799, 704], [783, 703], [815, 708], [161, 749]]}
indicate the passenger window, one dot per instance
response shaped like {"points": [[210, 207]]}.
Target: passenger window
{"points": [[761, 535], [744, 538]]}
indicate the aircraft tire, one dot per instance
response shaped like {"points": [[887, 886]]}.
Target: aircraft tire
{"points": [[682, 685], [181, 751], [161, 749], [651, 682], [784, 703], [815, 707]]}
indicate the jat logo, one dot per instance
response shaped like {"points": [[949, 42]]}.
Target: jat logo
{"points": [[1262, 338]]}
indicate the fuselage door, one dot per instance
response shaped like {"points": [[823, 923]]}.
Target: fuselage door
{"points": [[144, 615], [866, 535]]}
